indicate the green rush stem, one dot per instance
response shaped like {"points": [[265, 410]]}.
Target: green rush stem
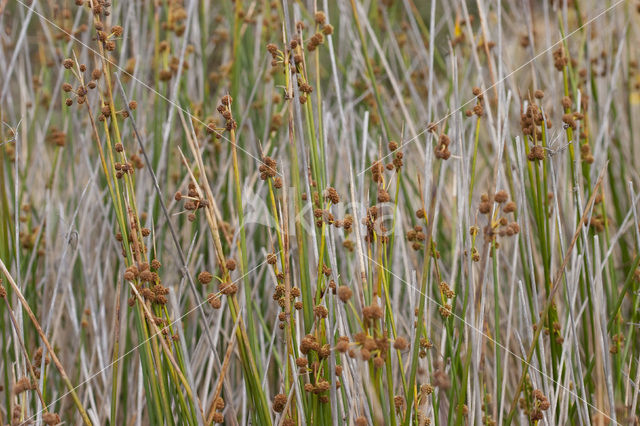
{"points": [[320, 273], [437, 56], [549, 302], [289, 376], [128, 178], [543, 232], [160, 371], [148, 368], [628, 282], [115, 358], [421, 326], [6, 235], [372, 76], [390, 394], [253, 337], [317, 169], [386, 278], [318, 90], [114, 187], [249, 365], [54, 357], [473, 160], [585, 281], [496, 313], [305, 280], [176, 371], [274, 211]]}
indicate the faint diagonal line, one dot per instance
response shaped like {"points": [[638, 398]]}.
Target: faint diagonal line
{"points": [[503, 347], [142, 83], [424, 130], [180, 318]]}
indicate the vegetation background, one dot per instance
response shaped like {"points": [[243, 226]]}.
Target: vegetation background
{"points": [[319, 212]]}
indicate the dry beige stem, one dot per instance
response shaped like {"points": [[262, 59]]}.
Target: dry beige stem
{"points": [[56, 361]]}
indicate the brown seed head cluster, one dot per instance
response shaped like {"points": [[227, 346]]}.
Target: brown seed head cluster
{"points": [[276, 54], [370, 221], [399, 402], [442, 149], [316, 40], [228, 288], [79, 94], [268, 168], [478, 108], [279, 402], [585, 154], [383, 195], [344, 293], [417, 237], [377, 170], [321, 311], [531, 121], [397, 162], [123, 169], [324, 29], [426, 389], [218, 406], [23, 385], [37, 359], [304, 88], [342, 344], [214, 300], [501, 225], [332, 195], [156, 293], [56, 137], [441, 378], [193, 201], [205, 277], [445, 310], [218, 417], [51, 418], [446, 290], [225, 110], [537, 153], [372, 348], [400, 343], [372, 312], [596, 222], [559, 59], [323, 217], [308, 344], [541, 403]]}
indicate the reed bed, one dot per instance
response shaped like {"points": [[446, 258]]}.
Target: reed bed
{"points": [[315, 212]]}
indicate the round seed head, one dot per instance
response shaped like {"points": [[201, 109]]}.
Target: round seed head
{"points": [[344, 293], [400, 343], [279, 402], [51, 418], [214, 301], [205, 277]]}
